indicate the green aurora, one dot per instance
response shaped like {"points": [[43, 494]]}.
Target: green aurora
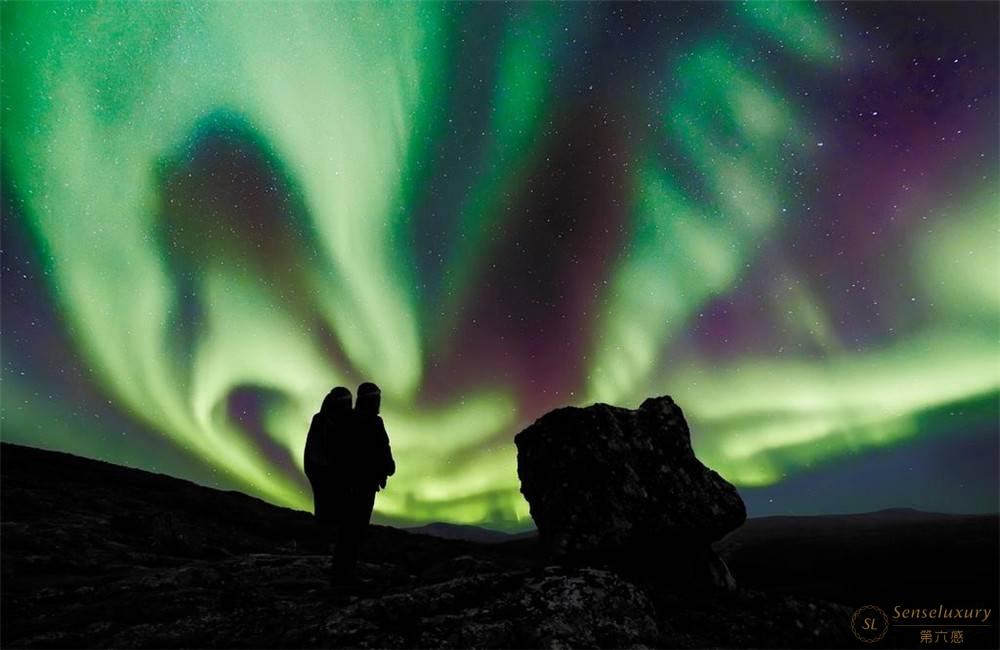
{"points": [[351, 102]]}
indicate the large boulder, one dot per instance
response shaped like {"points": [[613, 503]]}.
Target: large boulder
{"points": [[602, 478]]}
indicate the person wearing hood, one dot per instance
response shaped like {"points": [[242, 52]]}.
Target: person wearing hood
{"points": [[329, 428], [368, 469]]}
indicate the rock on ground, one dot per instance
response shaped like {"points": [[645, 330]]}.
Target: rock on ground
{"points": [[604, 477]]}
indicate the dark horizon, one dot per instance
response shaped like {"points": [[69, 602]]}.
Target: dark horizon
{"points": [[514, 528]]}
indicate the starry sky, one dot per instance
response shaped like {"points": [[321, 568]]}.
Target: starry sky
{"points": [[783, 215]]}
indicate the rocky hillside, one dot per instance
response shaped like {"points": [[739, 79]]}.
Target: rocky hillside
{"points": [[96, 555]]}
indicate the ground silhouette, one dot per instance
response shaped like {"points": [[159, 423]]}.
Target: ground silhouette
{"points": [[98, 555]]}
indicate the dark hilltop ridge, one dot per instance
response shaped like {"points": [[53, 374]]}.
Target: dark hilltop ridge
{"points": [[638, 545]]}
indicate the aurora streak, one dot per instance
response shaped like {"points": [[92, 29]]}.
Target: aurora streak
{"points": [[215, 212]]}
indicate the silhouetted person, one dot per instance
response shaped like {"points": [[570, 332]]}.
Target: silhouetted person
{"points": [[327, 433], [368, 463]]}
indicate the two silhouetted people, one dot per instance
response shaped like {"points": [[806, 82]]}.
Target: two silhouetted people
{"points": [[347, 460]]}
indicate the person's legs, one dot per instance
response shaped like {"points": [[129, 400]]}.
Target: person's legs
{"points": [[324, 511], [330, 514], [344, 551], [352, 530], [366, 504]]}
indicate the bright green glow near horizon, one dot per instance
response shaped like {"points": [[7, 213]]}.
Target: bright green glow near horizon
{"points": [[103, 94], [777, 413]]}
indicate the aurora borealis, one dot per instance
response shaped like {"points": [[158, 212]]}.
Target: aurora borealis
{"points": [[783, 215]]}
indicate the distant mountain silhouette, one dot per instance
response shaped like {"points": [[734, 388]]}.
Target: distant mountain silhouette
{"points": [[469, 533]]}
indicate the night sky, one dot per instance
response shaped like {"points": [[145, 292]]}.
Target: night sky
{"points": [[783, 215]]}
